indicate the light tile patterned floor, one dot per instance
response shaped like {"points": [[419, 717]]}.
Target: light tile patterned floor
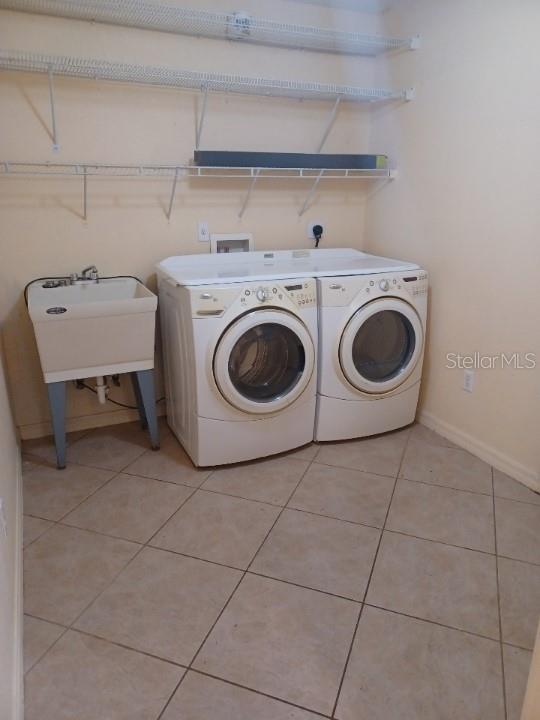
{"points": [[392, 578]]}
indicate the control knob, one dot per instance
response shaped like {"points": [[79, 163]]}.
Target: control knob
{"points": [[262, 295], [384, 285]]}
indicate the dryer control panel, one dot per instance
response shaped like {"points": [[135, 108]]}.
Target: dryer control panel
{"points": [[341, 291]]}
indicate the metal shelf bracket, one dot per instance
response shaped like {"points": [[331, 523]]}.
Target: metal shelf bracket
{"points": [[248, 194], [329, 123], [85, 193], [173, 192], [200, 124], [310, 194], [54, 133]]}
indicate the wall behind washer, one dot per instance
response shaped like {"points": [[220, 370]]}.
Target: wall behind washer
{"points": [[42, 231], [466, 207]]}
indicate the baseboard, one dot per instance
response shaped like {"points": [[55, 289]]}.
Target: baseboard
{"points": [[84, 422], [485, 452], [18, 678]]}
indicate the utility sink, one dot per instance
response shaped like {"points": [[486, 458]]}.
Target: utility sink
{"points": [[93, 328]]}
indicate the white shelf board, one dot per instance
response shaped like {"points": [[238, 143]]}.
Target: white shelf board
{"points": [[236, 26], [169, 77]]}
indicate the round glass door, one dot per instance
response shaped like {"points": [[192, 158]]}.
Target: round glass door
{"points": [[264, 361], [381, 345]]}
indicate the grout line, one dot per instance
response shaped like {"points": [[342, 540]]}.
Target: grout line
{"points": [[304, 587], [355, 632], [503, 678], [240, 497], [64, 631], [439, 542], [353, 469], [128, 647], [160, 715], [244, 573], [433, 622], [162, 480], [71, 626], [204, 673], [332, 517], [248, 567], [447, 487]]}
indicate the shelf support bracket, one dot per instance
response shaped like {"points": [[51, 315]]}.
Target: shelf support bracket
{"points": [[311, 193], [53, 113], [248, 194], [173, 192], [85, 194], [200, 124], [329, 123]]}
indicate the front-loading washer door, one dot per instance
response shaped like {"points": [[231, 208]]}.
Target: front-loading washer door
{"points": [[381, 345], [264, 361]]}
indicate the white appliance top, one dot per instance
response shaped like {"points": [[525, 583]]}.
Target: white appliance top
{"points": [[224, 268]]}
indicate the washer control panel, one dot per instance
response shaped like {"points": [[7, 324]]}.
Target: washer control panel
{"points": [[303, 292], [288, 294]]}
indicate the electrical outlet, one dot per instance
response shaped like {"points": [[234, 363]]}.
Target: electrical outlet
{"points": [[468, 380], [203, 231], [309, 228]]}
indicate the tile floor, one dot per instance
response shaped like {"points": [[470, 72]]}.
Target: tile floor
{"points": [[396, 577]]}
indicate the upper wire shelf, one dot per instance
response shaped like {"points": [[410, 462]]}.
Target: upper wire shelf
{"points": [[238, 26], [170, 77], [184, 171]]}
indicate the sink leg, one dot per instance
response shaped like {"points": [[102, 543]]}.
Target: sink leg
{"points": [[57, 403], [138, 398], [145, 381]]}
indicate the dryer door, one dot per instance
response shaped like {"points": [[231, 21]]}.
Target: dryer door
{"points": [[381, 345], [264, 361]]}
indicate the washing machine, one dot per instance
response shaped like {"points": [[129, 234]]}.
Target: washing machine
{"points": [[371, 347], [240, 359]]}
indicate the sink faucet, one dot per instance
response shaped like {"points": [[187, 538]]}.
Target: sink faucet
{"points": [[89, 273]]}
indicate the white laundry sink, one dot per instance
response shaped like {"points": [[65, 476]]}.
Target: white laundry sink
{"points": [[91, 328]]}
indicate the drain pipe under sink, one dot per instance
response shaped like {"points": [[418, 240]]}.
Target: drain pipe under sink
{"points": [[101, 389]]}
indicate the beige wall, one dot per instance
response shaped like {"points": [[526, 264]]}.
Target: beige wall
{"points": [[466, 207], [127, 232], [10, 564]]}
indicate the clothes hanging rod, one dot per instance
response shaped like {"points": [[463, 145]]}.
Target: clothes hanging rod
{"points": [[238, 26], [48, 169], [168, 77]]}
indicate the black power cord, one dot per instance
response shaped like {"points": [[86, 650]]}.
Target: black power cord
{"points": [[82, 385], [317, 234]]}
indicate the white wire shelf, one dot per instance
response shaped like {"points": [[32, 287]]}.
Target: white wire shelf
{"points": [[185, 172], [169, 77], [239, 26], [8, 168]]}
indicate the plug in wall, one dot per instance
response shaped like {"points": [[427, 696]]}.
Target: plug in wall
{"points": [[309, 228]]}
